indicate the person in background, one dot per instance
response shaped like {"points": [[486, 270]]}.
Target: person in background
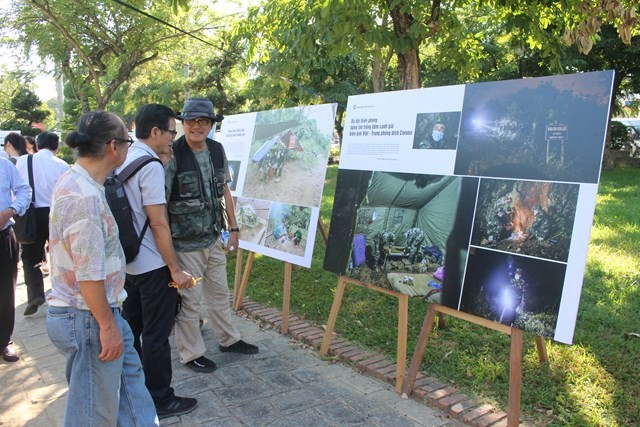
{"points": [[103, 369], [15, 197], [15, 146], [197, 178], [47, 168], [32, 147], [151, 305]]}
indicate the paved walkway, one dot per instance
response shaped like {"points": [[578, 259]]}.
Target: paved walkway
{"points": [[287, 384]]}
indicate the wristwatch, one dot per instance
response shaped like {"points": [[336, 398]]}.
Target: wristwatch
{"points": [[13, 209], [236, 229]]}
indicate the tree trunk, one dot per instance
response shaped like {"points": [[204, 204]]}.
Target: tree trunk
{"points": [[408, 58]]}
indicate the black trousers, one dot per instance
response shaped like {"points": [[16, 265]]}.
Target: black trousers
{"points": [[8, 276], [150, 309], [33, 254]]}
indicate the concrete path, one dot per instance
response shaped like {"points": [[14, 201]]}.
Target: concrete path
{"points": [[287, 384]]}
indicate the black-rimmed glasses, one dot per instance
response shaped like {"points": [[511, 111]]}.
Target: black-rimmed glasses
{"points": [[172, 132], [129, 141]]}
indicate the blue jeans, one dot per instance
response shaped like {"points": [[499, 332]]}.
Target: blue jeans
{"points": [[100, 393]]}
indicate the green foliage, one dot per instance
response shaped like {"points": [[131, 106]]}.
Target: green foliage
{"points": [[24, 111], [67, 154]]}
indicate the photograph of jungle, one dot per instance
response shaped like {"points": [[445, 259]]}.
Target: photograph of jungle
{"points": [[527, 217], [396, 226], [437, 131], [287, 228], [251, 216], [514, 290], [548, 128], [289, 153]]}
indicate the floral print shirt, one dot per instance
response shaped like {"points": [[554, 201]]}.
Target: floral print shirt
{"points": [[83, 241]]}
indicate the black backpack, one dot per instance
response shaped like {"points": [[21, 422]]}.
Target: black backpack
{"points": [[121, 209]]}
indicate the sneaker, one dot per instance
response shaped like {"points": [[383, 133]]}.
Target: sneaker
{"points": [[9, 354], [32, 307], [240, 347], [202, 364], [176, 406]]}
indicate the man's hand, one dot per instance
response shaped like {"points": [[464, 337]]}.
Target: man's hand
{"points": [[111, 342], [182, 280], [4, 216], [232, 243]]}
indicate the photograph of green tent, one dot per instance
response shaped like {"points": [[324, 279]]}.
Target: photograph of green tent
{"points": [[398, 228]]}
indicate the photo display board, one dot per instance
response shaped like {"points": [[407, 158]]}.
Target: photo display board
{"points": [[278, 162], [482, 193]]}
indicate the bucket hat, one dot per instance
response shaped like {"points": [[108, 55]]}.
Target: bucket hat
{"points": [[199, 107]]}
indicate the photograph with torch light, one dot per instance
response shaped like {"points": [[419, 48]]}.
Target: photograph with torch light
{"points": [[526, 217], [514, 290], [549, 128]]}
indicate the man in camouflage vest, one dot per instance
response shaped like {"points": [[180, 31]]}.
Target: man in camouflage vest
{"points": [[197, 184]]}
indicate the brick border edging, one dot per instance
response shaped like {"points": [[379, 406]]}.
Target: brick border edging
{"points": [[427, 390]]}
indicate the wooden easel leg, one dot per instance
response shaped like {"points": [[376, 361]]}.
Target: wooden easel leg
{"points": [[333, 316], [323, 230], [418, 354], [542, 349], [401, 355], [236, 277], [286, 297], [245, 279], [515, 378]]}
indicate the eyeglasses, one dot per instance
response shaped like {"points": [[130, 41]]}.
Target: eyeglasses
{"points": [[129, 141], [172, 132], [202, 122]]}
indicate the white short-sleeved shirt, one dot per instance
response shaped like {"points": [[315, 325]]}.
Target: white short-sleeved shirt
{"points": [[145, 188], [47, 168]]}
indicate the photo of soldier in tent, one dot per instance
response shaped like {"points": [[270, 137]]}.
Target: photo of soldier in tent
{"points": [[395, 227], [514, 290], [526, 217], [287, 228], [289, 155], [436, 131], [548, 128], [251, 216]]}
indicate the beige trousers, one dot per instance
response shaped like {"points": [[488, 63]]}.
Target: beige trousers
{"points": [[213, 290]]}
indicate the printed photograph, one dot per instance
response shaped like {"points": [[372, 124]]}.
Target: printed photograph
{"points": [[289, 155], [526, 217], [436, 131], [234, 169], [513, 290], [549, 128], [287, 228], [251, 216], [397, 229]]}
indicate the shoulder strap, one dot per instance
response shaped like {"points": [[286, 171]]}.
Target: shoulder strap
{"points": [[133, 167], [30, 172]]}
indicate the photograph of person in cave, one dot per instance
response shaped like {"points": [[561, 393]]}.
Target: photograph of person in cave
{"points": [[513, 290], [504, 128], [526, 217]]}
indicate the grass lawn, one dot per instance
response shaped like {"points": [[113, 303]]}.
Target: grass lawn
{"points": [[594, 382]]}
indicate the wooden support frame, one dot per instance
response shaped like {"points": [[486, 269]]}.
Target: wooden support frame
{"points": [[240, 286], [403, 314], [515, 359], [240, 290]]}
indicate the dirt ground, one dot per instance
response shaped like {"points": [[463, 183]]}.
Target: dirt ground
{"points": [[298, 184], [285, 245]]}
